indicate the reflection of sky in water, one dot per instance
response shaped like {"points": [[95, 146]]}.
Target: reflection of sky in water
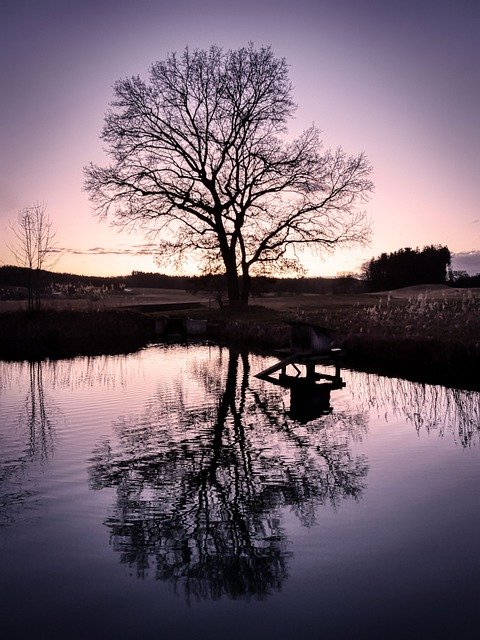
{"points": [[200, 486], [201, 480]]}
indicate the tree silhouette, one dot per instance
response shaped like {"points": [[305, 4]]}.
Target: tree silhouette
{"points": [[407, 267], [33, 247], [200, 158]]}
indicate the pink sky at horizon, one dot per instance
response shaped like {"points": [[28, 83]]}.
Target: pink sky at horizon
{"points": [[400, 81]]}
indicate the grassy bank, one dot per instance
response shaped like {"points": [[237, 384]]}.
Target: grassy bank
{"points": [[432, 335], [56, 334]]}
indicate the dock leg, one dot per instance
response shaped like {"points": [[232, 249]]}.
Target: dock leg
{"points": [[310, 371]]}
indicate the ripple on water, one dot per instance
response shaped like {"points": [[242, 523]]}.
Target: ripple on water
{"points": [[177, 463]]}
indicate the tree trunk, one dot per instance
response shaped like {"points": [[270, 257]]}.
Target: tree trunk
{"points": [[30, 289], [36, 289], [233, 282], [233, 288]]}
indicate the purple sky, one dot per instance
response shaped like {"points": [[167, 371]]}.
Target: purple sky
{"points": [[398, 80]]}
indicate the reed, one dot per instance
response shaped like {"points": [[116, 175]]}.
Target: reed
{"points": [[423, 338]]}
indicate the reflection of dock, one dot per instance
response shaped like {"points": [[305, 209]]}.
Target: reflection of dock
{"points": [[310, 393]]}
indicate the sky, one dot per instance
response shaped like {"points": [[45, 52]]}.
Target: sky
{"points": [[399, 80]]}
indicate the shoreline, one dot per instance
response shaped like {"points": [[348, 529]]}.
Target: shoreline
{"points": [[439, 360], [427, 360]]}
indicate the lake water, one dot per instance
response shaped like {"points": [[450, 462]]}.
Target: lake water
{"points": [[171, 494]]}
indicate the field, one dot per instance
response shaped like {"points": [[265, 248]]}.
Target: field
{"points": [[423, 312], [98, 301]]}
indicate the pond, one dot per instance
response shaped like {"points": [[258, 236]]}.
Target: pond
{"points": [[170, 493]]}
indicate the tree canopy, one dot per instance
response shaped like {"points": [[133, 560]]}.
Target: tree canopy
{"points": [[407, 267], [200, 156]]}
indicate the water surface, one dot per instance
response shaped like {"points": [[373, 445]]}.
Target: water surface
{"points": [[171, 494]]}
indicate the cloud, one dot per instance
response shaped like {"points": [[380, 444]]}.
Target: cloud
{"points": [[468, 261], [134, 250]]}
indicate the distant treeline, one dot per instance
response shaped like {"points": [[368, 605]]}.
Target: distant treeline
{"points": [[262, 285], [12, 276], [402, 268], [407, 267]]}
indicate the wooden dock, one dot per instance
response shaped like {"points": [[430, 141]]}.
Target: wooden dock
{"points": [[309, 393], [307, 359]]}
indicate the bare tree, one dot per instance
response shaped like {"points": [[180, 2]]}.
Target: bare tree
{"points": [[201, 157], [33, 247]]}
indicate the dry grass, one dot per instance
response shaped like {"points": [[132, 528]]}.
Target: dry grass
{"points": [[428, 334], [431, 336], [456, 316]]}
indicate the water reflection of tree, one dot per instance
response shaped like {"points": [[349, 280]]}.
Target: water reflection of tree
{"points": [[200, 489], [36, 443], [36, 416], [429, 408]]}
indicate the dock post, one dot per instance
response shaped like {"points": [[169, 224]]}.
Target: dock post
{"points": [[310, 371]]}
